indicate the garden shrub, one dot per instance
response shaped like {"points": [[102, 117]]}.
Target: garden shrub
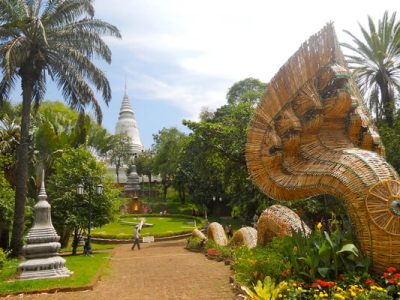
{"points": [[255, 264], [195, 243], [222, 251], [323, 255]]}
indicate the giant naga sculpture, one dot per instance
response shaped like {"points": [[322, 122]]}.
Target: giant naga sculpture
{"points": [[311, 134]]}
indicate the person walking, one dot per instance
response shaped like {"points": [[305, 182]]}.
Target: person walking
{"points": [[230, 231], [136, 238]]}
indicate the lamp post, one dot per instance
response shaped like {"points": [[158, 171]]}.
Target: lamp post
{"points": [[99, 191]]}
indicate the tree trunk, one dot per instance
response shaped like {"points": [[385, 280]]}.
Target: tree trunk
{"points": [[75, 242], [64, 238], [165, 189], [388, 103], [4, 235], [117, 171], [22, 167]]}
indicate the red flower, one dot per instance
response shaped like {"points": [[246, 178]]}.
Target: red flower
{"points": [[392, 281], [298, 283], [386, 275], [330, 284], [212, 251], [391, 269], [397, 275], [369, 281], [314, 285], [341, 277]]}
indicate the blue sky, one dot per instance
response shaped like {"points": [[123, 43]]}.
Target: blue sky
{"points": [[181, 55]]}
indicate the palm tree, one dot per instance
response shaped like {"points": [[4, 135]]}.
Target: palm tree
{"points": [[376, 64], [56, 39]]}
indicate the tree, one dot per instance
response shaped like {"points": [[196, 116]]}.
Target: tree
{"points": [[120, 153], [70, 211], [246, 90], [213, 158], [376, 64], [55, 38], [167, 149], [144, 163]]}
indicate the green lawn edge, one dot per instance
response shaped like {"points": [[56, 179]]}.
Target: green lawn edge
{"points": [[84, 277], [116, 230]]}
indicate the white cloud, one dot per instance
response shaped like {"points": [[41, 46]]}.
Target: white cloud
{"points": [[202, 47]]}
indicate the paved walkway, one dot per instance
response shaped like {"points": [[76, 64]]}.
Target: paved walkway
{"points": [[163, 270]]}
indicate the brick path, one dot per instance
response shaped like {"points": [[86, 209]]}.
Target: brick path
{"points": [[163, 270]]}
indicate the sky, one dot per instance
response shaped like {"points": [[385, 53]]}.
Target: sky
{"points": [[179, 56]]}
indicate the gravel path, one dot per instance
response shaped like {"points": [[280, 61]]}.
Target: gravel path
{"points": [[163, 270]]}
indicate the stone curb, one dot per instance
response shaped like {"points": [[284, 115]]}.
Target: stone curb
{"points": [[88, 287]]}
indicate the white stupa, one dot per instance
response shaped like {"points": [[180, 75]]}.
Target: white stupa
{"points": [[127, 125]]}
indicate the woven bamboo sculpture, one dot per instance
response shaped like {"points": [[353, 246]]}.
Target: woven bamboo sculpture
{"points": [[245, 236], [279, 221], [198, 234], [311, 134], [216, 233]]}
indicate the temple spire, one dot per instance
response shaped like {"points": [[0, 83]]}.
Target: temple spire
{"points": [[127, 124]]}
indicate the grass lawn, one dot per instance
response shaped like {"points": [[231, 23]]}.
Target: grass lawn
{"points": [[84, 267], [163, 226]]}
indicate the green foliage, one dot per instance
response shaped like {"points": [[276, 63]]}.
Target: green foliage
{"points": [[59, 38], [194, 243], [2, 258], [390, 138], [168, 146], [323, 255], [376, 295], [214, 164], [266, 290], [6, 192], [222, 251], [144, 163], [246, 90], [254, 264], [120, 154], [375, 61], [69, 209]]}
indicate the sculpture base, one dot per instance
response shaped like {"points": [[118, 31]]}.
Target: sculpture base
{"points": [[45, 274], [41, 268]]}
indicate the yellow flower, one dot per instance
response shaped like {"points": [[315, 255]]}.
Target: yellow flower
{"points": [[280, 296], [338, 296], [353, 294], [299, 289], [319, 226]]}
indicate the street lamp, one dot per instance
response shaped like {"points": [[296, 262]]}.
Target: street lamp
{"points": [[99, 191]]}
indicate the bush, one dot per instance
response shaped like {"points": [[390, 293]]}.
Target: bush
{"points": [[255, 264], [323, 255], [221, 251], [2, 258], [195, 243]]}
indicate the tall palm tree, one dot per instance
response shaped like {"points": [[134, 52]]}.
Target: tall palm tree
{"points": [[56, 39], [376, 64]]}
